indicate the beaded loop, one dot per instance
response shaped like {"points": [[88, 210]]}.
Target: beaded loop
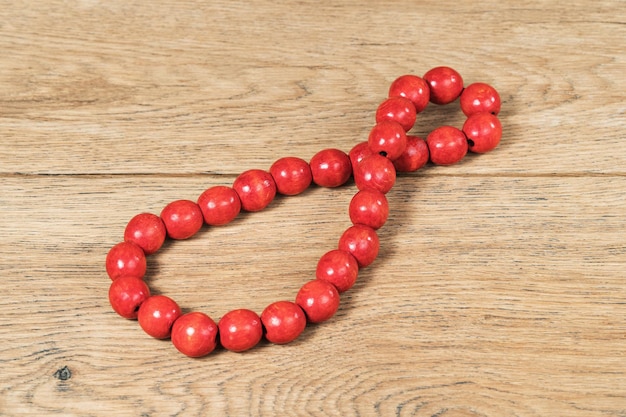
{"points": [[373, 164]]}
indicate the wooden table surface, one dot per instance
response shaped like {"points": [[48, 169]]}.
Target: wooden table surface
{"points": [[500, 286]]}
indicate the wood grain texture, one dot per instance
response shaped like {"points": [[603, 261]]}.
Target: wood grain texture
{"points": [[499, 289]]}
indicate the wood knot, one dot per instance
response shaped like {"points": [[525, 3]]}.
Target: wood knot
{"points": [[63, 373]]}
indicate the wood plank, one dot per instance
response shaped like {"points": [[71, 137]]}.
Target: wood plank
{"points": [[164, 97], [512, 311]]}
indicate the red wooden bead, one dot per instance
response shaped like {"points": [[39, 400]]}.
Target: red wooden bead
{"points": [[182, 219], [398, 109], [157, 314], [292, 175], [361, 242], [358, 152], [219, 205], [375, 172], [126, 259], [330, 168], [240, 330], [319, 300], [126, 294], [414, 157], [483, 131], [283, 321], [480, 98], [339, 268], [387, 138], [147, 231], [447, 145], [256, 189], [412, 87], [194, 334], [445, 85], [369, 207]]}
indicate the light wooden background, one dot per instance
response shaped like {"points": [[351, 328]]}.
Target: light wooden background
{"points": [[500, 289]]}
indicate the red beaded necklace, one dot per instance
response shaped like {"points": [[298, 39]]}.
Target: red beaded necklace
{"points": [[373, 164]]}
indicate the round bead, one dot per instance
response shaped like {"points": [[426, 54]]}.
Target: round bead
{"points": [[292, 175], [194, 334], [240, 330], [361, 242], [339, 268], [414, 157], [370, 208], [483, 131], [147, 231], [412, 87], [375, 172], [157, 314], [182, 219], [397, 109], [319, 300], [330, 168], [445, 85], [256, 189], [480, 98], [283, 321], [126, 294], [126, 259], [387, 138], [219, 205], [447, 145], [358, 152]]}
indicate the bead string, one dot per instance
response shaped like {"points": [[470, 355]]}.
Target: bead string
{"points": [[373, 165]]}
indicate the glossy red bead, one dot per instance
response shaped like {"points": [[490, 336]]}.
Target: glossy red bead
{"points": [[480, 98], [414, 157], [483, 132], [387, 138], [358, 152], [319, 300], [182, 219], [194, 334], [445, 84], [412, 87], [256, 189], [126, 259], [283, 321], [147, 231], [362, 242], [330, 168], [126, 294], [292, 175], [157, 314], [338, 268], [219, 205], [397, 109], [375, 172], [370, 208], [240, 330], [447, 145]]}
